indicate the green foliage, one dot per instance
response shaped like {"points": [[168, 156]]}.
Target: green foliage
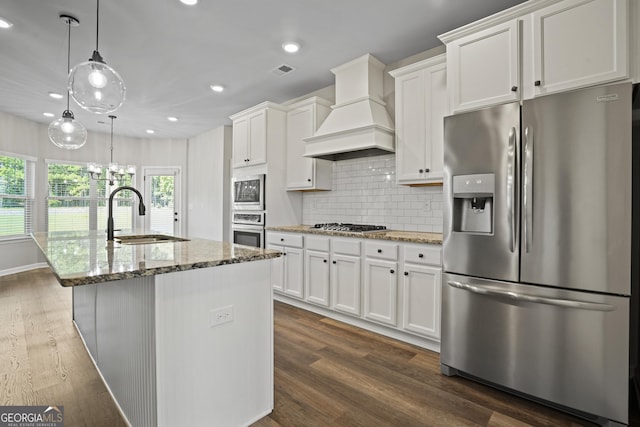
{"points": [[12, 180], [162, 191], [67, 181]]}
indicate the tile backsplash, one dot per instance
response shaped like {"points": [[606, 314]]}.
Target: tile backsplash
{"points": [[365, 191]]}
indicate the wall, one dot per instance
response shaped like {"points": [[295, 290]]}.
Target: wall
{"points": [[208, 194], [20, 136], [365, 191]]}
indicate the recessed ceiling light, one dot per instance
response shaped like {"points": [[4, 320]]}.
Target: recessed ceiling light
{"points": [[55, 95], [217, 88], [172, 119], [5, 23], [48, 114], [291, 47], [189, 2], [150, 131]]}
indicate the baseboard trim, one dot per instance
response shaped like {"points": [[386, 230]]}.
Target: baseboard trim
{"points": [[23, 268]]}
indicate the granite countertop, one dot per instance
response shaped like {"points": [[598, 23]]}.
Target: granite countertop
{"points": [[402, 236], [82, 258]]}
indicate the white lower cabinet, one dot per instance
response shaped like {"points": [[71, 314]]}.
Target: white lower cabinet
{"points": [[381, 282], [345, 276], [421, 295], [287, 270], [316, 270], [380, 290]]}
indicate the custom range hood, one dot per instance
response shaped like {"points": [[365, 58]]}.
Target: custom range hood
{"points": [[358, 125]]}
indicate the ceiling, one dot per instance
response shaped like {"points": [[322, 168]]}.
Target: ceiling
{"points": [[168, 53]]}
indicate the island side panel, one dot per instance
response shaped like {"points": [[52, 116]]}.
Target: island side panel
{"points": [[215, 375], [125, 316], [84, 316]]}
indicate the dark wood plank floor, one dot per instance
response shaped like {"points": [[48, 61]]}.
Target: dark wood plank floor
{"points": [[327, 373]]}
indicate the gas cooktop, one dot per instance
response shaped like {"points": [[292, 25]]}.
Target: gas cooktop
{"points": [[352, 228]]}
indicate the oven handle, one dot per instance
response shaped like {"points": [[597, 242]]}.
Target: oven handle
{"points": [[247, 227], [478, 289]]}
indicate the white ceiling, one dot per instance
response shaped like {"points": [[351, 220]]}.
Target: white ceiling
{"points": [[168, 53]]}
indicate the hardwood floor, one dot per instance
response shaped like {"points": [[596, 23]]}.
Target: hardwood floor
{"points": [[42, 358], [327, 373]]}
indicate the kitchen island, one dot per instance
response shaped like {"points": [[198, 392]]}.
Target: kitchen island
{"points": [[181, 332]]}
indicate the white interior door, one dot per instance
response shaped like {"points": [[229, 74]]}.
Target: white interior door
{"points": [[162, 199]]}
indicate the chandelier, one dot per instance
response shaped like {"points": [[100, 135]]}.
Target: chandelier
{"points": [[113, 171]]}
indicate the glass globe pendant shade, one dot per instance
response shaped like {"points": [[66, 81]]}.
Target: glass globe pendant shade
{"points": [[96, 87], [66, 132]]}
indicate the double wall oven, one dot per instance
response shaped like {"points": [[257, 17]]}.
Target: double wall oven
{"points": [[248, 218]]}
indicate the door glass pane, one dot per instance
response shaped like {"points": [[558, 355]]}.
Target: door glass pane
{"points": [[161, 206]]}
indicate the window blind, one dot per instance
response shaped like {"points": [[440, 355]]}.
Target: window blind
{"points": [[16, 195]]}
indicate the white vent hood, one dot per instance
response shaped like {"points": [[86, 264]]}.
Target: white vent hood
{"points": [[359, 124]]}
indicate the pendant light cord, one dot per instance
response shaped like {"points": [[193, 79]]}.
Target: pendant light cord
{"points": [[112, 117], [97, 23], [68, 56]]}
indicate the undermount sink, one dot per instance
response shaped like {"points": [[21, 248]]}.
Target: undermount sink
{"points": [[141, 239]]}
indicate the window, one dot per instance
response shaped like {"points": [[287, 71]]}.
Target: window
{"points": [[16, 195], [77, 203]]}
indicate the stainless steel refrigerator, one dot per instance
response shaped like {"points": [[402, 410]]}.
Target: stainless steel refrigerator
{"points": [[540, 249]]}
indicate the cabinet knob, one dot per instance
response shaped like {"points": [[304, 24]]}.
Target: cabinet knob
{"points": [[420, 170], [308, 179], [426, 170], [392, 271], [282, 239], [284, 254], [514, 88], [420, 255], [334, 262], [324, 260], [379, 251], [406, 273], [537, 83]]}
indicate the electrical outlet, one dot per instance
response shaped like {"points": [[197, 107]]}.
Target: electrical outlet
{"points": [[221, 315]]}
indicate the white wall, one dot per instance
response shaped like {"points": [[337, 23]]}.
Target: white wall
{"points": [[209, 190]]}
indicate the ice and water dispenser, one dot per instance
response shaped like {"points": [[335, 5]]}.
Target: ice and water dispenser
{"points": [[473, 197]]}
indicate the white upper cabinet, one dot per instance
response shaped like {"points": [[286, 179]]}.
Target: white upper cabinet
{"points": [[421, 104], [483, 68], [579, 43], [561, 44], [253, 129], [303, 119]]}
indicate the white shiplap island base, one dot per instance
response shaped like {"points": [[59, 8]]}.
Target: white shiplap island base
{"points": [[185, 347]]}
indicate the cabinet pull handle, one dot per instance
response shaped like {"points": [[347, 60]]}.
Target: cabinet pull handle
{"points": [[406, 273], [537, 83], [420, 255], [420, 170], [334, 262], [514, 88], [379, 251], [392, 271]]}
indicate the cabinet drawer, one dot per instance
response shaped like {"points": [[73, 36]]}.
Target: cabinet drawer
{"points": [[316, 243], [382, 250], [429, 255], [285, 239], [346, 246]]}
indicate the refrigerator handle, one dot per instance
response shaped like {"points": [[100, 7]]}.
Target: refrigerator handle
{"points": [[511, 188], [559, 302], [527, 197]]}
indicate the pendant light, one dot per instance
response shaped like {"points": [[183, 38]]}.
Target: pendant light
{"points": [[67, 132], [113, 171], [94, 85]]}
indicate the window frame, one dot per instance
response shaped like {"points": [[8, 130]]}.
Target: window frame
{"points": [[28, 197]]}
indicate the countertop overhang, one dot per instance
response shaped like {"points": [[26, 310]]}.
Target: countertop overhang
{"points": [[82, 258], [401, 236]]}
